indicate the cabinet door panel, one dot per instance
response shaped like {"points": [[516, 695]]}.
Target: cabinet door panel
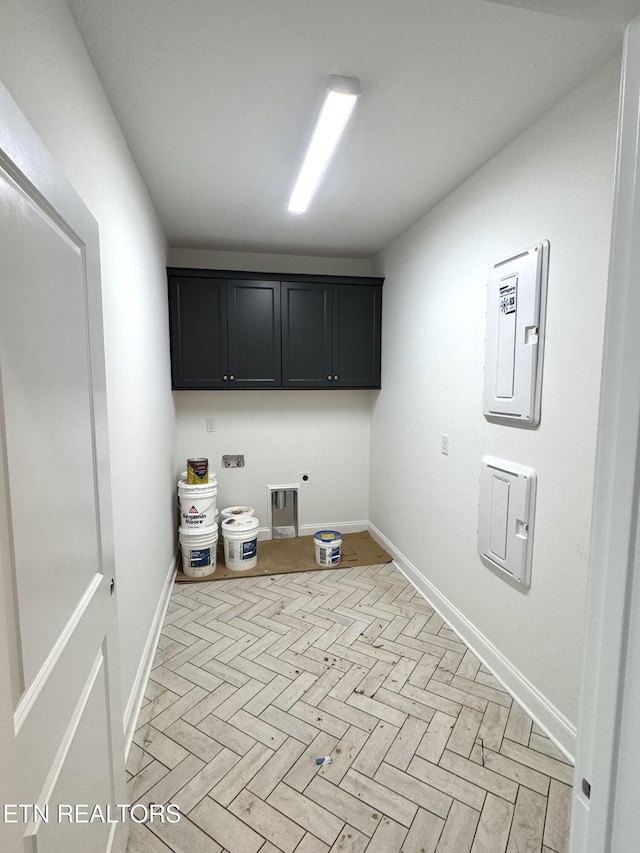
{"points": [[254, 334], [356, 335], [306, 335], [198, 317]]}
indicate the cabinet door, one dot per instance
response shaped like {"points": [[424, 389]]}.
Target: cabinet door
{"points": [[198, 320], [306, 335], [254, 334], [356, 335]]}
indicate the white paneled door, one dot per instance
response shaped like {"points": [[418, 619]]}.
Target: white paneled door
{"points": [[61, 728]]}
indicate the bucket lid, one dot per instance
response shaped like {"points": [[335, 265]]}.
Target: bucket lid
{"points": [[240, 523], [327, 535], [237, 511], [182, 483], [183, 475], [212, 530]]}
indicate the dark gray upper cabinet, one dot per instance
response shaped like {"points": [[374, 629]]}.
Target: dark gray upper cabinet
{"points": [[307, 360], [247, 330], [331, 335], [357, 323], [254, 334], [198, 327]]}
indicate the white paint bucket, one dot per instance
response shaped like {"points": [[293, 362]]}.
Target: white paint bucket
{"points": [[198, 550], [236, 512], [328, 547], [240, 536], [198, 504]]}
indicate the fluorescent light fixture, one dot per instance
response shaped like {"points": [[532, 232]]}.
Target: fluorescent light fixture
{"points": [[339, 101]]}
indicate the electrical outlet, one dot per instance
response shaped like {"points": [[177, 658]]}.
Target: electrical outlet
{"points": [[305, 477], [211, 424], [445, 445]]}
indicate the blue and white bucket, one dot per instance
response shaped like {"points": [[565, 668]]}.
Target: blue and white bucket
{"points": [[198, 547], [328, 547], [240, 536]]}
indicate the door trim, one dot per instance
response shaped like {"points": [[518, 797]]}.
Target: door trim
{"points": [[614, 564]]}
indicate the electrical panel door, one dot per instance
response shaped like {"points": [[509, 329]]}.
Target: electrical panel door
{"points": [[516, 306], [506, 517]]}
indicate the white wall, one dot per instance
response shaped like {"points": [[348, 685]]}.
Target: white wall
{"points": [[44, 65], [214, 259], [282, 433], [553, 182]]}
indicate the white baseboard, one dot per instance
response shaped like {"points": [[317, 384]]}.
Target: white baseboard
{"points": [[310, 529], [142, 676], [561, 731], [341, 526]]}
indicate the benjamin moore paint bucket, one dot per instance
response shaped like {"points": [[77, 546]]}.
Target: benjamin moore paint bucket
{"points": [[328, 547], [197, 471], [198, 504], [240, 536], [198, 551]]}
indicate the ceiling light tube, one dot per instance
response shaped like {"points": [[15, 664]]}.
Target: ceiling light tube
{"points": [[339, 101]]}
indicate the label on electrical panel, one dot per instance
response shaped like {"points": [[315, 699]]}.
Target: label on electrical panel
{"points": [[508, 298]]}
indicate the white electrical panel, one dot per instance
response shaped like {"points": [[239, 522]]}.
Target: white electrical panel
{"points": [[506, 517], [516, 305]]}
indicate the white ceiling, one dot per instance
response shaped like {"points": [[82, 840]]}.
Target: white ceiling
{"points": [[217, 98], [618, 12]]}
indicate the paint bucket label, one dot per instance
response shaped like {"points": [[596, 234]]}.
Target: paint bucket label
{"points": [[199, 557], [327, 556], [193, 517], [249, 550], [197, 471]]}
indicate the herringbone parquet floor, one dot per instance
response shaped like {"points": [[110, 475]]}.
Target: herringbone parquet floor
{"points": [[257, 677]]}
